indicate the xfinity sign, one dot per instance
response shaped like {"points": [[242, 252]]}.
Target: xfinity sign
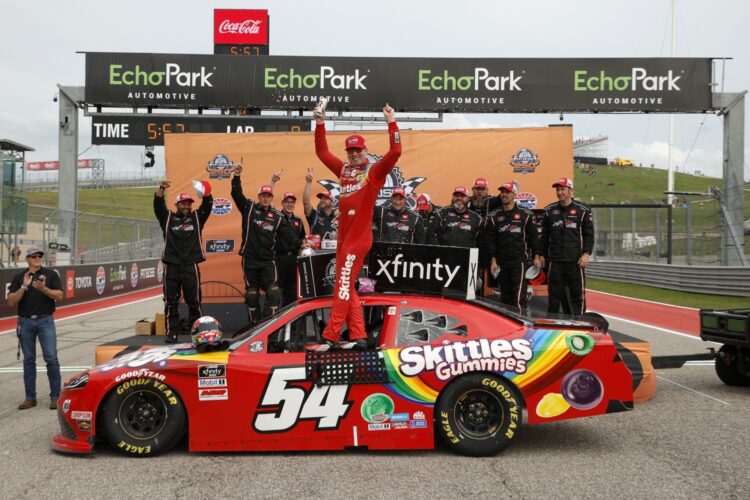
{"points": [[172, 74]]}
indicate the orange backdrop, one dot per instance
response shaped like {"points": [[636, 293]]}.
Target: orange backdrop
{"points": [[432, 162]]}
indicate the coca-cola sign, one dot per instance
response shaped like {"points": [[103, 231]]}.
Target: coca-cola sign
{"points": [[245, 27]]}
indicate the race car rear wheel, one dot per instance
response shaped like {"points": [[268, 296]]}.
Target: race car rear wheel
{"points": [[478, 414], [728, 366], [143, 417]]}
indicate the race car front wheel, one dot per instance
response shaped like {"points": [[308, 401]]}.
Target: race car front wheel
{"points": [[143, 417], [478, 414]]}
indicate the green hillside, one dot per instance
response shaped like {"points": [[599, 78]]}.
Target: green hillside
{"points": [[125, 202]]}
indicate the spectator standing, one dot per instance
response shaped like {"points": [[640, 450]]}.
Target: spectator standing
{"points": [[396, 224], [35, 291], [287, 251], [455, 225]]}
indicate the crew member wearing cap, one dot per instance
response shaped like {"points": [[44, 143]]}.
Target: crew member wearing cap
{"points": [[360, 184], [287, 251], [426, 210], [261, 224], [324, 220], [455, 225], [35, 290], [183, 250], [512, 240], [396, 224], [480, 201], [566, 243]]}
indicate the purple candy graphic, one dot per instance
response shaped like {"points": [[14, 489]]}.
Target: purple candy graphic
{"points": [[582, 389]]}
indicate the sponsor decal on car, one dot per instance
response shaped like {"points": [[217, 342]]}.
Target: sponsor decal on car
{"points": [[379, 427], [213, 394], [84, 425], [80, 415], [449, 360], [399, 417], [212, 382], [418, 424], [256, 346], [66, 406], [143, 372], [212, 371], [157, 355], [377, 408], [418, 415], [400, 425]]}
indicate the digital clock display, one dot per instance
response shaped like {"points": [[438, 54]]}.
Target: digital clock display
{"points": [[150, 130], [241, 50]]}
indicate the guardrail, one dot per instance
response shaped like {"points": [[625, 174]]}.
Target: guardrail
{"points": [[715, 280]]}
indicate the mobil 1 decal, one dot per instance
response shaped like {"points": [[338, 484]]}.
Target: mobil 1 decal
{"points": [[288, 398]]}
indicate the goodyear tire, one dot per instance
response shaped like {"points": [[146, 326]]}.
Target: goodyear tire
{"points": [[143, 417], [478, 414], [727, 366]]}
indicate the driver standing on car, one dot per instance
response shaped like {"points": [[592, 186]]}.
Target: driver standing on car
{"points": [[360, 182]]}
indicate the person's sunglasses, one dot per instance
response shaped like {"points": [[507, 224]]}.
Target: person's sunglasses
{"points": [[35, 256]]}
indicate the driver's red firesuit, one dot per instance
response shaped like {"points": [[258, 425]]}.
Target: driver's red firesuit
{"points": [[359, 190]]}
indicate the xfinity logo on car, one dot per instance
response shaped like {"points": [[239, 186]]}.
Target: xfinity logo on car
{"points": [[172, 75], [326, 78], [397, 268], [208, 371], [639, 79]]}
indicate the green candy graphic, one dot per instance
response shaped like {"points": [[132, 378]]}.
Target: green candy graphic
{"points": [[377, 408]]}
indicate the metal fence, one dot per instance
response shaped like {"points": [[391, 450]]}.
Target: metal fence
{"points": [[687, 234], [98, 238]]}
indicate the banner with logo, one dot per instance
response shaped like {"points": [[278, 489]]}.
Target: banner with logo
{"points": [[55, 165], [433, 162], [93, 281], [408, 84], [240, 26]]}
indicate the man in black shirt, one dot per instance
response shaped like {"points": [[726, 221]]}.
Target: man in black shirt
{"points": [[567, 242], [261, 224], [512, 240], [323, 221], [481, 202], [455, 225], [396, 224], [35, 290], [183, 250], [426, 211], [286, 251]]}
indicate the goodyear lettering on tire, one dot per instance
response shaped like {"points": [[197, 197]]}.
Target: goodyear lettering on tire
{"points": [[513, 409], [159, 386]]}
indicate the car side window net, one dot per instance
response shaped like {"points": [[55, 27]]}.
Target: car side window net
{"points": [[419, 325]]}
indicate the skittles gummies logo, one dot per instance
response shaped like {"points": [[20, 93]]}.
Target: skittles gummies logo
{"points": [[377, 408]]}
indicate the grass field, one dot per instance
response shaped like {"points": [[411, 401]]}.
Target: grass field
{"points": [[126, 202]]}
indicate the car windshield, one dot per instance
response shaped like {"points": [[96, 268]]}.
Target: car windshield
{"points": [[255, 330], [539, 317]]}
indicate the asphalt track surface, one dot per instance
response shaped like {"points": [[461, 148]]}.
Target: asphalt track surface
{"points": [[690, 441]]}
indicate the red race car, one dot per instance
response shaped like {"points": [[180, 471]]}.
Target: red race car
{"points": [[465, 370]]}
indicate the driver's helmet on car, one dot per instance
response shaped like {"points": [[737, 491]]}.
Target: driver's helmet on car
{"points": [[206, 331]]}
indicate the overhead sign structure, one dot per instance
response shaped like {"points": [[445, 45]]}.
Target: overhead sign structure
{"points": [[150, 130], [408, 84]]}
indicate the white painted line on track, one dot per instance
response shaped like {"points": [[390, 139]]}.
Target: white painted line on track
{"points": [[666, 330], [92, 312], [707, 362], [642, 300], [41, 369], [693, 390]]}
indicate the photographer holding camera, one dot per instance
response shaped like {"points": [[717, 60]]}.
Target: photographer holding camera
{"points": [[35, 290]]}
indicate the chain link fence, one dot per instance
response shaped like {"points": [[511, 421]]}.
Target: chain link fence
{"points": [[98, 238], [687, 234]]}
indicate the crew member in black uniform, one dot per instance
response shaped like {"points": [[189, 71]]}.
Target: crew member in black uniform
{"points": [[286, 251], [183, 250], [323, 221], [455, 225], [396, 224], [566, 243], [260, 225], [512, 240], [426, 210], [480, 201]]}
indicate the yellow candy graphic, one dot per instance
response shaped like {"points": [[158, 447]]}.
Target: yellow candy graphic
{"points": [[552, 405]]}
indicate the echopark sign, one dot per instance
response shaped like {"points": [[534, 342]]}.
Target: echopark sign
{"points": [[245, 27]]}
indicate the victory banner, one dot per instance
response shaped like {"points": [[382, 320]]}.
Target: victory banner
{"points": [[408, 84], [433, 162]]}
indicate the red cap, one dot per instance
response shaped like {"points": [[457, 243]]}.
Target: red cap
{"points": [[460, 190], [480, 182], [325, 194], [184, 197], [288, 195], [355, 141], [423, 201], [398, 191], [266, 189], [563, 182], [511, 187]]}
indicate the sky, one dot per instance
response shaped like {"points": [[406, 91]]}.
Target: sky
{"points": [[39, 41]]}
